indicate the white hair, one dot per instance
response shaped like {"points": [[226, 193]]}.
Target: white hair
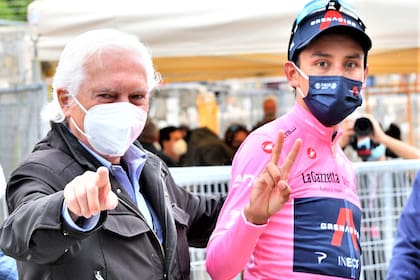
{"points": [[70, 72]]}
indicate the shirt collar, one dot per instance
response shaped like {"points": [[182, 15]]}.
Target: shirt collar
{"points": [[310, 123], [134, 157]]}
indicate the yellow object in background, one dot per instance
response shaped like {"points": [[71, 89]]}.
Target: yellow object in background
{"points": [[208, 111]]}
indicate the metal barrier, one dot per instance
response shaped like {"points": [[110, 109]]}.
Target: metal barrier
{"points": [[3, 205], [20, 124], [383, 189]]}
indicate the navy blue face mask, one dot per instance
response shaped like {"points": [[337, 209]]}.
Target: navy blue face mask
{"points": [[331, 98]]}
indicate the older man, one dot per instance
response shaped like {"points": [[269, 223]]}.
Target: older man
{"points": [[87, 203]]}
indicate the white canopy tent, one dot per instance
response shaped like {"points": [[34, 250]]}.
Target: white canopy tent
{"points": [[208, 40]]}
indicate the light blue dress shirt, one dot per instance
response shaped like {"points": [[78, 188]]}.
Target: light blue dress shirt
{"points": [[135, 160]]}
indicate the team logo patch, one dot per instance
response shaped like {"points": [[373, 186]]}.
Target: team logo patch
{"points": [[332, 16], [326, 241], [311, 153], [355, 91], [267, 147]]}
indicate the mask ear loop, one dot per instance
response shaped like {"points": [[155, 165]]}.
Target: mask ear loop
{"points": [[78, 103], [304, 76], [72, 120]]}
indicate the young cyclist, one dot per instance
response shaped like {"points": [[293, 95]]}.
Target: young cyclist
{"points": [[293, 211]]}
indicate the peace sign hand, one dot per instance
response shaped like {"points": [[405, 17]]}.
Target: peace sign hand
{"points": [[271, 189]]}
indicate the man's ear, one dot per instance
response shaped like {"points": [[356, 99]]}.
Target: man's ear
{"points": [[65, 100], [365, 77], [291, 73]]}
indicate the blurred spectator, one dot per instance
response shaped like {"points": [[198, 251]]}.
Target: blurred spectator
{"points": [[269, 109], [173, 145], [367, 149], [205, 148], [149, 138], [395, 132], [367, 137], [185, 130], [398, 147], [235, 134]]}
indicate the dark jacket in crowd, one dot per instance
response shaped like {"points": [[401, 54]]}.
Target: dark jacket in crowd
{"points": [[121, 246]]}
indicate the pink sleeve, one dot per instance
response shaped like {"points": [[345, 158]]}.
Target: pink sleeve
{"points": [[228, 254], [233, 240]]}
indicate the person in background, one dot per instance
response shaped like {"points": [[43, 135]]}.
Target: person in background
{"points": [[235, 134], [269, 111], [405, 260], [386, 141], [395, 132], [398, 147], [285, 211], [173, 145], [89, 202], [185, 131], [205, 148], [149, 137]]}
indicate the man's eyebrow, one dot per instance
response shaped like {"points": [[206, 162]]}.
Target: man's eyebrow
{"points": [[104, 89], [320, 54], [355, 55]]}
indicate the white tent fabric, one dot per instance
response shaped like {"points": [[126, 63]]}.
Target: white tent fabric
{"points": [[186, 28]]}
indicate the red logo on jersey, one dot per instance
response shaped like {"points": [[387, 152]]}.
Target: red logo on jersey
{"points": [[345, 223], [311, 153], [267, 146]]}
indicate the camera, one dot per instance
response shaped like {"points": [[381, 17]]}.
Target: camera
{"points": [[363, 127], [365, 147]]}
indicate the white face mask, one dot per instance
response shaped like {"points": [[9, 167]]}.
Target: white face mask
{"points": [[112, 127], [180, 147]]}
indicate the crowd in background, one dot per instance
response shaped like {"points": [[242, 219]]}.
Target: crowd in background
{"points": [[363, 139], [184, 146]]}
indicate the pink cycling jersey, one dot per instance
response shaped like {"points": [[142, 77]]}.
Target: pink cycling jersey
{"points": [[316, 233]]}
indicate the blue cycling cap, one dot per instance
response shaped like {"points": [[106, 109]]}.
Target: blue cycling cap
{"points": [[319, 17]]}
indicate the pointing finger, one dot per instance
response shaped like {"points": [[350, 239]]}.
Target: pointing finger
{"points": [[102, 180]]}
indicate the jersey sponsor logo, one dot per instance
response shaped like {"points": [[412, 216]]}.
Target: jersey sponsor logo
{"points": [[321, 256], [326, 241], [345, 224], [311, 153], [348, 262], [246, 180], [267, 146], [319, 177], [289, 132]]}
